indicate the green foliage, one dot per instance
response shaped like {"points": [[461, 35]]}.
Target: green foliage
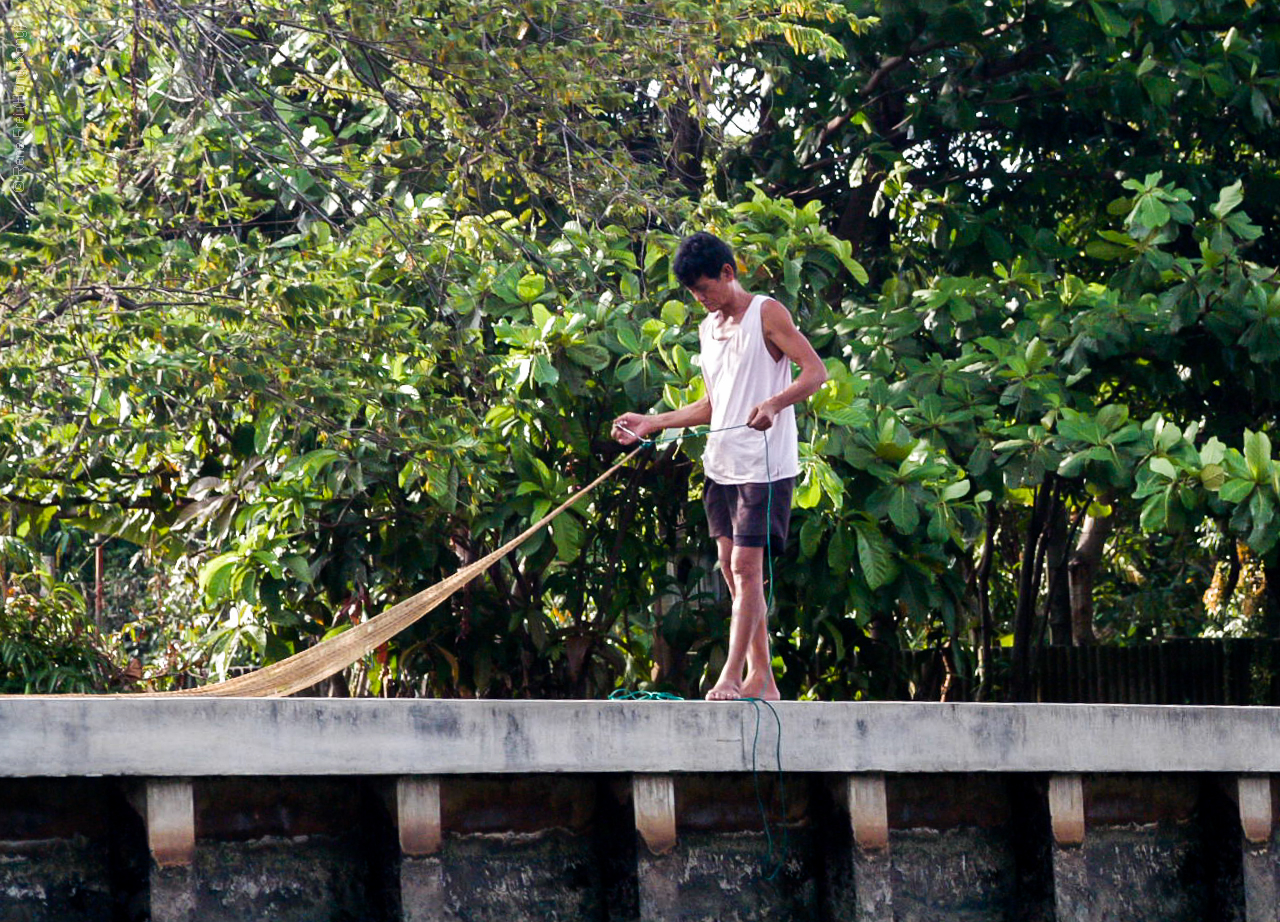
{"points": [[315, 304], [47, 644], [961, 133]]}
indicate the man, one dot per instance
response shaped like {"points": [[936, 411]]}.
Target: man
{"points": [[748, 343]]}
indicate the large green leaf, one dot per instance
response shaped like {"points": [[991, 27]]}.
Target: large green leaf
{"points": [[1257, 454], [875, 555], [903, 510], [1235, 491]]}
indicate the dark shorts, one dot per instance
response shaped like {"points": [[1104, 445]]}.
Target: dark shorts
{"points": [[746, 513]]}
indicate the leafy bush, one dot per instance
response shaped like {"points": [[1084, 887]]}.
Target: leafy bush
{"points": [[47, 642]]}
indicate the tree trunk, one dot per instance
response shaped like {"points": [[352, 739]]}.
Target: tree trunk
{"points": [[865, 231], [688, 142], [1271, 597], [1233, 578], [1029, 575], [336, 686], [982, 578], [1057, 558], [881, 658], [856, 223], [1083, 571]]}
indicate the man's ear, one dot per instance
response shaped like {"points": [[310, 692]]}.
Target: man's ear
{"points": [[728, 272]]}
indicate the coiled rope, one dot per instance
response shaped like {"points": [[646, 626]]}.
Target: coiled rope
{"points": [[775, 854]]}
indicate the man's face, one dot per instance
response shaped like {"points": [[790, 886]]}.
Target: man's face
{"points": [[714, 293]]}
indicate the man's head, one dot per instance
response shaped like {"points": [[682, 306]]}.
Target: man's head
{"points": [[700, 256]]}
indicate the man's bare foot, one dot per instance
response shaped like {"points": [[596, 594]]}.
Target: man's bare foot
{"points": [[762, 687], [725, 690]]}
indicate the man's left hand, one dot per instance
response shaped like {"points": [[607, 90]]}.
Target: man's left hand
{"points": [[761, 417]]}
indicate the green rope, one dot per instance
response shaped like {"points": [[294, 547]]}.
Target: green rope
{"points": [[622, 694], [782, 791], [775, 857]]}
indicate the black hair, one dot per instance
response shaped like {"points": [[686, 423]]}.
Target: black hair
{"points": [[701, 255]]}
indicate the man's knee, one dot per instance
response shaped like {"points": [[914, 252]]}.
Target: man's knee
{"points": [[747, 564], [724, 554]]}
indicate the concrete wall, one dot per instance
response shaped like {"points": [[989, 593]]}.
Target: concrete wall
{"points": [[185, 737], [304, 810]]}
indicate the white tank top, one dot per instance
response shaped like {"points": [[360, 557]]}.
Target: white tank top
{"points": [[740, 374]]}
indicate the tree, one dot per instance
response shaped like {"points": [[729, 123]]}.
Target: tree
{"points": [[316, 304], [960, 133]]}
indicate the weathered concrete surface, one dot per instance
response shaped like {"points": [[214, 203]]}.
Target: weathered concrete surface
{"points": [[173, 894], [281, 850], [1157, 848], [871, 879], [550, 876], [157, 737], [723, 865], [300, 879], [854, 821], [1261, 883], [857, 883], [55, 880], [959, 848], [953, 875], [968, 848], [730, 877], [1260, 859], [421, 895], [447, 811], [1139, 874], [71, 850], [521, 847]]}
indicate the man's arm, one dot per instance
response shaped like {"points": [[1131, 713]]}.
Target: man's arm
{"points": [[781, 333], [640, 425]]}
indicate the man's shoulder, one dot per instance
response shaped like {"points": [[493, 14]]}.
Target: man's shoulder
{"points": [[773, 309], [767, 301]]}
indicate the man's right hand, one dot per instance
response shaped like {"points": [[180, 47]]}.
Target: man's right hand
{"points": [[630, 428]]}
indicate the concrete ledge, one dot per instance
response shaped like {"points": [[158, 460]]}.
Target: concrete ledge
{"points": [[52, 737]]}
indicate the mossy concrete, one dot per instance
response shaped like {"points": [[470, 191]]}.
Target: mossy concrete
{"points": [[731, 877], [539, 812], [55, 880], [273, 879]]}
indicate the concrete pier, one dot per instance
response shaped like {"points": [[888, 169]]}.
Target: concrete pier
{"points": [[294, 810]]}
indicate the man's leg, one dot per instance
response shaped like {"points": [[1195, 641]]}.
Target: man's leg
{"points": [[724, 551], [746, 585], [760, 682]]}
